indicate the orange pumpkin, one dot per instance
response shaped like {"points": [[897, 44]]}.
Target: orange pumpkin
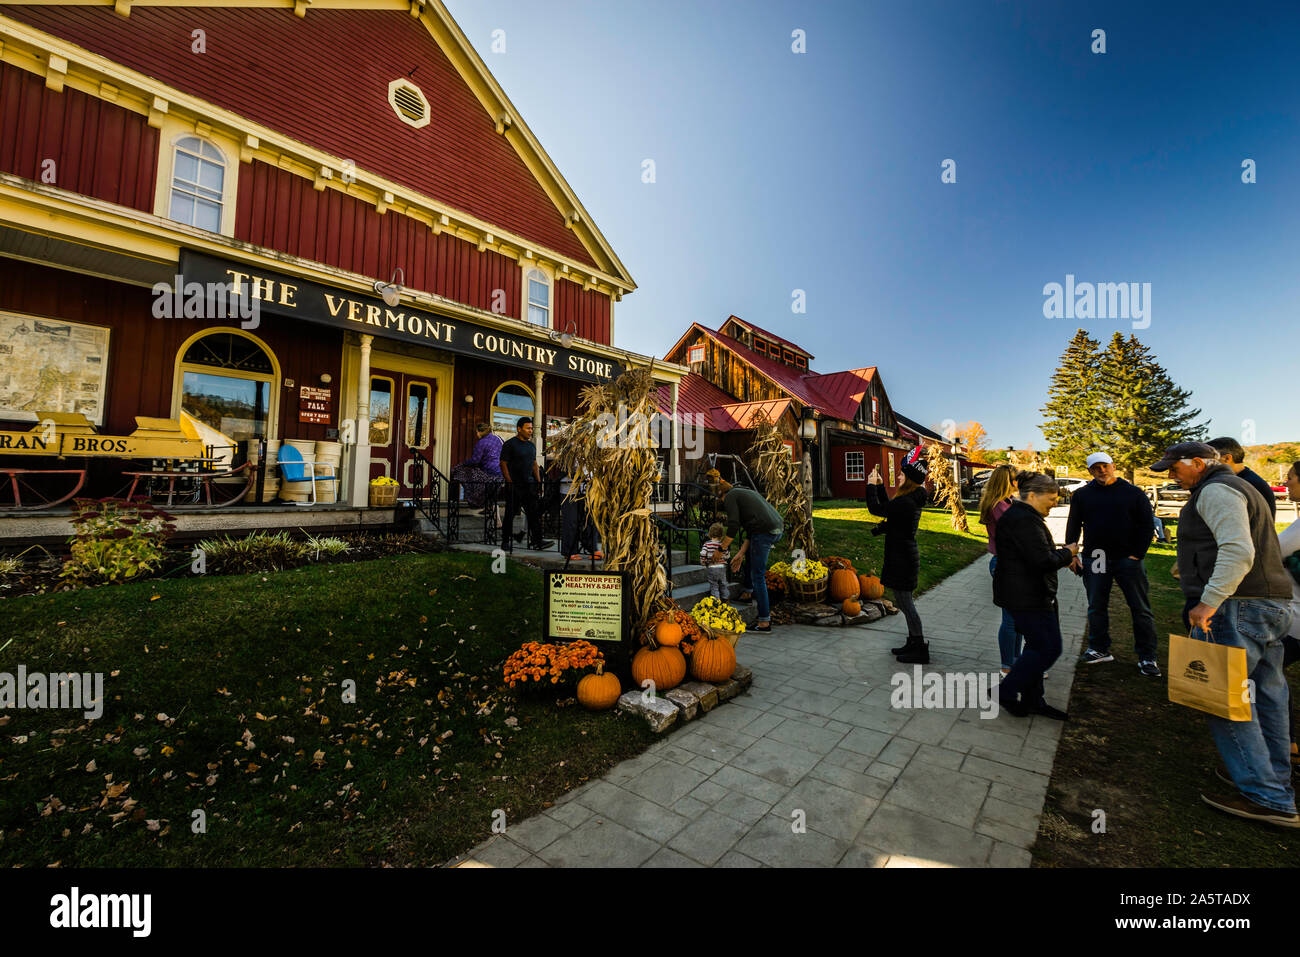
{"points": [[666, 667], [851, 607], [844, 584], [872, 590], [599, 691], [713, 659], [668, 634]]}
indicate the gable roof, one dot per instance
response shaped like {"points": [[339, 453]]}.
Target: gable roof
{"points": [[917, 428], [842, 392], [322, 79], [785, 343], [697, 396]]}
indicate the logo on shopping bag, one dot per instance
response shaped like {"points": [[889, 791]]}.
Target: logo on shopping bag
{"points": [[1196, 671]]}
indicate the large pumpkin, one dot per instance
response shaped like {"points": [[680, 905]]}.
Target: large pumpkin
{"points": [[668, 634], [844, 584], [851, 607], [713, 660], [599, 691], [872, 590], [666, 667]]}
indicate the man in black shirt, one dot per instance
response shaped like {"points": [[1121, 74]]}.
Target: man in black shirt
{"points": [[1118, 524], [523, 482], [1233, 456]]}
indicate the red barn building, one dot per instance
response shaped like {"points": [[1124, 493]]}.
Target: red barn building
{"points": [[353, 169], [743, 367]]}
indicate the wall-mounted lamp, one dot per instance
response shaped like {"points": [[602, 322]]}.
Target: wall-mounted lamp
{"points": [[808, 425], [326, 378], [469, 400], [392, 290], [565, 338]]}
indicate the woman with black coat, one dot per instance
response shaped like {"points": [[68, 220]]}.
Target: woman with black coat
{"points": [[1024, 583], [902, 515]]}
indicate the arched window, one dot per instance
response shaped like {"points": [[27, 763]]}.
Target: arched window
{"points": [[539, 297], [512, 400], [198, 178], [226, 386]]}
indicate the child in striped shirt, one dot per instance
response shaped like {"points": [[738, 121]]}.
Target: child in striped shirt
{"points": [[714, 559]]}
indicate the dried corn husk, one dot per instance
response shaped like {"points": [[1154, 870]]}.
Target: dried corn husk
{"points": [[783, 484], [610, 446]]}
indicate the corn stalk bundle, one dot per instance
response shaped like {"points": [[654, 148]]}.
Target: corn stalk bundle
{"points": [[609, 446], [946, 492], [783, 484]]}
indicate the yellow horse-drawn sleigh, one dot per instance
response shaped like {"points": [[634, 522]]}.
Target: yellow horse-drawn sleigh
{"points": [[48, 464]]}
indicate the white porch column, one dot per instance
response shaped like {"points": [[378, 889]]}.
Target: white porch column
{"points": [[675, 457], [361, 450], [539, 421]]}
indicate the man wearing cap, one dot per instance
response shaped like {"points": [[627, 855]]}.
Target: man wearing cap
{"points": [[1117, 524], [1230, 565]]}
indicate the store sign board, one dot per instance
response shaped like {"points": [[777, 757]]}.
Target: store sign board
{"points": [[315, 405], [343, 309]]}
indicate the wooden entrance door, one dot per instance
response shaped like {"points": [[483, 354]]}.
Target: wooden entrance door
{"points": [[401, 420]]}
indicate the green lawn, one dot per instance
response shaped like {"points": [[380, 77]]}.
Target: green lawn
{"points": [[225, 694], [843, 528], [1129, 752]]}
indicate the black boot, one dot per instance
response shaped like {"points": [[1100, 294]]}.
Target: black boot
{"points": [[913, 642], [920, 655]]}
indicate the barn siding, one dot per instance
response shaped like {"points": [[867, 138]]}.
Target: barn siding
{"points": [[98, 149]]}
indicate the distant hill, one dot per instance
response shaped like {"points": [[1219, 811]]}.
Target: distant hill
{"points": [[1272, 461]]}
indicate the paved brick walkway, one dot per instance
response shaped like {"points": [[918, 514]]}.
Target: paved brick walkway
{"points": [[817, 734]]}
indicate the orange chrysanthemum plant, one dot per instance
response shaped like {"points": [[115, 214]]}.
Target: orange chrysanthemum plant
{"points": [[691, 631], [546, 663]]}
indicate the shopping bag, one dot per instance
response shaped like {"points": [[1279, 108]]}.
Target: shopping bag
{"points": [[1209, 677]]}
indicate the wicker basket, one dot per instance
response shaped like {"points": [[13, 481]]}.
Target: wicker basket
{"points": [[383, 496], [806, 591]]}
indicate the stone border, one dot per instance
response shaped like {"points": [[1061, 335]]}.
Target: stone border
{"points": [[686, 701]]}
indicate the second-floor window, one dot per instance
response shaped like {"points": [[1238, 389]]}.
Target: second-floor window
{"points": [[198, 178], [539, 298]]}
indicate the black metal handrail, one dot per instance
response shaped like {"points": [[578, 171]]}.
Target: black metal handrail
{"points": [[429, 505]]}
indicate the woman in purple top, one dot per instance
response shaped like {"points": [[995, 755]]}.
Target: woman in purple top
{"points": [[482, 467], [996, 500]]}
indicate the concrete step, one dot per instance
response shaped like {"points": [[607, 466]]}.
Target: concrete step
{"points": [[689, 596], [689, 574]]}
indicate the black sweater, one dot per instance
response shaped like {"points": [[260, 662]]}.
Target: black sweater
{"points": [[1116, 518], [903, 515], [1025, 576]]}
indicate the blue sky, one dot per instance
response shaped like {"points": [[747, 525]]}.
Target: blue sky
{"points": [[820, 171]]}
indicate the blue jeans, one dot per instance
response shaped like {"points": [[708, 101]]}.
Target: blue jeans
{"points": [[1131, 576], [759, 547], [1009, 640], [1257, 752], [1042, 631]]}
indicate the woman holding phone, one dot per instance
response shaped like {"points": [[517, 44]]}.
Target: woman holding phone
{"points": [[902, 515]]}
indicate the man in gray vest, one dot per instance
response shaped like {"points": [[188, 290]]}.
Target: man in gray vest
{"points": [[1230, 565]]}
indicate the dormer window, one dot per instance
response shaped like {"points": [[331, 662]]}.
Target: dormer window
{"points": [[801, 362], [788, 357], [760, 346]]}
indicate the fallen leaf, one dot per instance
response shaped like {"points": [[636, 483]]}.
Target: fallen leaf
{"points": [[154, 597]]}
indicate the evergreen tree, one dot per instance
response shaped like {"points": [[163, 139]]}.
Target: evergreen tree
{"points": [[1144, 411], [1072, 420]]}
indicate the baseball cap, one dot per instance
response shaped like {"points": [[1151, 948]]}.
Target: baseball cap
{"points": [[1186, 450], [1096, 457]]}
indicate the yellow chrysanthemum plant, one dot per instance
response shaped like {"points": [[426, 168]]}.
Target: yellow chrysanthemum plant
{"points": [[716, 615]]}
